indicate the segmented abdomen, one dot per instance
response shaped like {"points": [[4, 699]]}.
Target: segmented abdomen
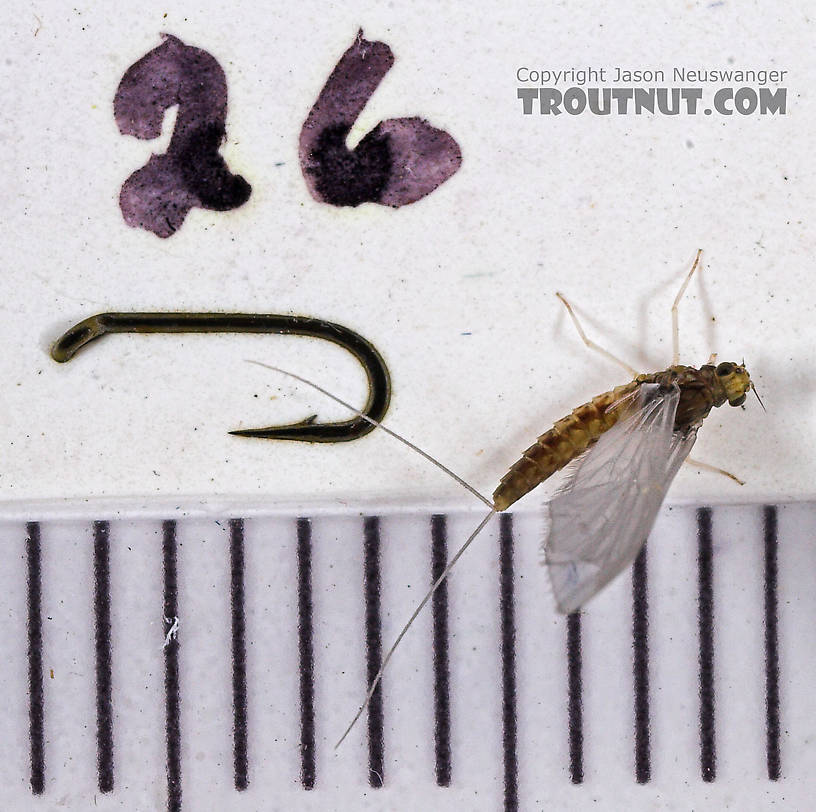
{"points": [[567, 439]]}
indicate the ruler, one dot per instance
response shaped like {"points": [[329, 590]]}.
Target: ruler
{"points": [[211, 662]]}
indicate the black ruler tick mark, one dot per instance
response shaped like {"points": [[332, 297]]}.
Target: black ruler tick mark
{"points": [[508, 656], [373, 638], [172, 695], [36, 705], [306, 654], [771, 645], [640, 645], [102, 630], [239, 666], [705, 609], [575, 710], [441, 653]]}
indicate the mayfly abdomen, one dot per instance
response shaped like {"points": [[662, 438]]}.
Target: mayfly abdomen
{"points": [[566, 440]]}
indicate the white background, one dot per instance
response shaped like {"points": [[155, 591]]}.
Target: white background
{"points": [[457, 290]]}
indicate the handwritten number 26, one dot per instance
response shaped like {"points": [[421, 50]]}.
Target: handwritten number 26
{"points": [[397, 163]]}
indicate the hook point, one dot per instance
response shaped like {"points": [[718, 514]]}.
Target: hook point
{"points": [[301, 430]]}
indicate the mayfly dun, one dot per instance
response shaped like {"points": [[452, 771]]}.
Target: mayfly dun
{"points": [[625, 447]]}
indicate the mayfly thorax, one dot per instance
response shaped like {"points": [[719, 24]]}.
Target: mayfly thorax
{"points": [[624, 448]]}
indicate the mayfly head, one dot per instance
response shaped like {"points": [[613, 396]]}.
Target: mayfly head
{"points": [[735, 382]]}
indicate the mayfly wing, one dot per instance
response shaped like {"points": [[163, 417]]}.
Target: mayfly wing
{"points": [[600, 519]]}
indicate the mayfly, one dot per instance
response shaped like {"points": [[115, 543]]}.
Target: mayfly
{"points": [[625, 447]]}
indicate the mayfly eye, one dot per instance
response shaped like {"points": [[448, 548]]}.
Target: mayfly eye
{"points": [[738, 402], [725, 368]]}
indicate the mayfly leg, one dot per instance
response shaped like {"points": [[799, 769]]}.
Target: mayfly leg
{"points": [[591, 344], [674, 310], [713, 468], [675, 324], [704, 466], [675, 354]]}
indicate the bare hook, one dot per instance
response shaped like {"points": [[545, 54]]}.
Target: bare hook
{"points": [[308, 430]]}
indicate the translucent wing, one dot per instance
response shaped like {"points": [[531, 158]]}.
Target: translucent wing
{"points": [[602, 516]]}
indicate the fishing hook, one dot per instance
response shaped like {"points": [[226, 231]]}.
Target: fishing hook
{"points": [[307, 430]]}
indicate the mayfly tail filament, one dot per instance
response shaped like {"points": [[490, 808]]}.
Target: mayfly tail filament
{"points": [[436, 584]]}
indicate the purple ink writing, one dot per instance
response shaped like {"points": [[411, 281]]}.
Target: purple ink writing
{"points": [[400, 161], [191, 173]]}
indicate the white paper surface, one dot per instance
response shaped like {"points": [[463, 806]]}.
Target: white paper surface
{"points": [[456, 290]]}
